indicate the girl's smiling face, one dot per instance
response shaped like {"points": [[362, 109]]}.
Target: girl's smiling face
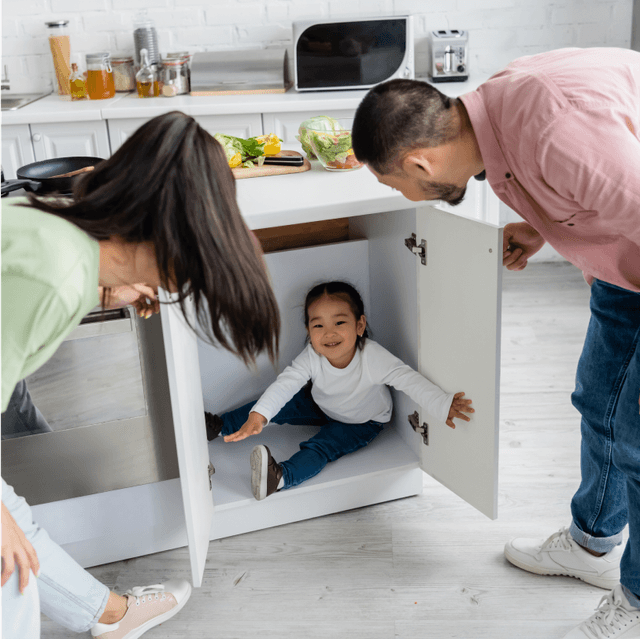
{"points": [[333, 329]]}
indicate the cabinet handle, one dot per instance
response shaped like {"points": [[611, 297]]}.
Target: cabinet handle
{"points": [[37, 137]]}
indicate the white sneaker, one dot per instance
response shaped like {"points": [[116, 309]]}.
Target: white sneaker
{"points": [[561, 555], [147, 607], [614, 618]]}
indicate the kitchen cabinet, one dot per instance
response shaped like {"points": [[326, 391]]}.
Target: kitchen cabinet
{"points": [[242, 125], [441, 317], [414, 310], [17, 149], [67, 139], [286, 125]]}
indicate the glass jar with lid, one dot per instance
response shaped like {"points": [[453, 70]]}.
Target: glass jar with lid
{"points": [[147, 81], [60, 46], [124, 76], [175, 76], [100, 83]]}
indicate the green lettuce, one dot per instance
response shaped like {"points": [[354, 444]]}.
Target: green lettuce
{"points": [[323, 137], [249, 148], [311, 126]]}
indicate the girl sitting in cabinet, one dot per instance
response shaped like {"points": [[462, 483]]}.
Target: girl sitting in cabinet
{"points": [[338, 382]]}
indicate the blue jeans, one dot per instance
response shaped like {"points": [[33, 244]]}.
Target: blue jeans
{"points": [[64, 591], [334, 440], [606, 394]]}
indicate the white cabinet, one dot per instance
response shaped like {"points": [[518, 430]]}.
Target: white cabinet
{"points": [[442, 318], [17, 149], [418, 311], [242, 126], [285, 125], [68, 139]]}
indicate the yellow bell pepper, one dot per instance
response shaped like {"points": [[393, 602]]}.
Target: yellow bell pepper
{"points": [[235, 160], [272, 143]]}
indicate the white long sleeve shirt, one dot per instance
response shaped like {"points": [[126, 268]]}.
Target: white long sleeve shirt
{"points": [[355, 394]]}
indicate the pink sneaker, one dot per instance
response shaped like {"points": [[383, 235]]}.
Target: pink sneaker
{"points": [[146, 607]]}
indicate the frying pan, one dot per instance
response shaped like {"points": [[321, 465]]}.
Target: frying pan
{"points": [[39, 176]]}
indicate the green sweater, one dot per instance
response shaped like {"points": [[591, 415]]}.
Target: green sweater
{"points": [[50, 274]]}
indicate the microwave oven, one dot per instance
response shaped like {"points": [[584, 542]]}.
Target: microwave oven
{"points": [[352, 54]]}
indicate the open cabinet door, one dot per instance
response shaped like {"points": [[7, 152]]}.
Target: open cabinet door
{"points": [[459, 305], [187, 406]]}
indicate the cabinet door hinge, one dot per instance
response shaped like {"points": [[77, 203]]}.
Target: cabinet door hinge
{"points": [[418, 249], [423, 430], [212, 470]]}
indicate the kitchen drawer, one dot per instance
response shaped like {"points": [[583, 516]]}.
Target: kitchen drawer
{"points": [[68, 139]]}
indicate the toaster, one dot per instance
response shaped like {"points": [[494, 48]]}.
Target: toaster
{"points": [[448, 56]]}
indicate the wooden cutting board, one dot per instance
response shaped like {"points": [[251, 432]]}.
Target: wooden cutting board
{"points": [[272, 169]]}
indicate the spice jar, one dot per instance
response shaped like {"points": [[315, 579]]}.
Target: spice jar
{"points": [[175, 78], [186, 69], [124, 76], [60, 45], [100, 84]]}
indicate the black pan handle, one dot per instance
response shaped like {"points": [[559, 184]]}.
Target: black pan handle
{"points": [[14, 185]]}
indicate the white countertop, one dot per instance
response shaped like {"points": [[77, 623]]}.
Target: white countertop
{"points": [[315, 195], [127, 105]]}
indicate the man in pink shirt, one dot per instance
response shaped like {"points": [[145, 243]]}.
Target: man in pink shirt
{"points": [[557, 136]]}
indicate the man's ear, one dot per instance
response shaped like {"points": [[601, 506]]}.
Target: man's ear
{"points": [[418, 164]]}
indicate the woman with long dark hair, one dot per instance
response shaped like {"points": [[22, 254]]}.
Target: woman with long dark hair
{"points": [[161, 212]]}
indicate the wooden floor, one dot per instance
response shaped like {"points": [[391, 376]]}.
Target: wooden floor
{"points": [[426, 567]]}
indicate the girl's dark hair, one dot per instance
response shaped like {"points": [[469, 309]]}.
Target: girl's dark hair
{"points": [[170, 184], [398, 116], [343, 291]]}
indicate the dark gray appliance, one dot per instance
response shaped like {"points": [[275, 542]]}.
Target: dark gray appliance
{"points": [[105, 395]]}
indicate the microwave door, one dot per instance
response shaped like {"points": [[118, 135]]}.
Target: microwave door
{"points": [[350, 54]]}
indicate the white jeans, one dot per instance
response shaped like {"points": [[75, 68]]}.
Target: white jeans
{"points": [[65, 591]]}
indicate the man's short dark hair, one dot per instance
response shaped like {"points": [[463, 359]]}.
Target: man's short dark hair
{"points": [[400, 115]]}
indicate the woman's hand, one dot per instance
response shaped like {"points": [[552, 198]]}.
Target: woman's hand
{"points": [[519, 242], [458, 407], [254, 425], [16, 551], [142, 297]]}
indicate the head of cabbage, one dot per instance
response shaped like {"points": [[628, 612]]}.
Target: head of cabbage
{"points": [[317, 123]]}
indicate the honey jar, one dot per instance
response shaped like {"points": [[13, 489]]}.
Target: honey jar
{"points": [[100, 83]]}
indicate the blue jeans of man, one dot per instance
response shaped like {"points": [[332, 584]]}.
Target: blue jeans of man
{"points": [[606, 394], [334, 440]]}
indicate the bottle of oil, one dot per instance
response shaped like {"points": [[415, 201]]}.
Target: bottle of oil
{"points": [[147, 79], [77, 84]]}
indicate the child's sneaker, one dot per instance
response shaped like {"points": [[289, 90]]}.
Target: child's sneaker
{"points": [[146, 607], [265, 472], [615, 618], [214, 425]]}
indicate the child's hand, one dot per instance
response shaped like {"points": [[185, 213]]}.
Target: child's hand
{"points": [[254, 425], [458, 405]]}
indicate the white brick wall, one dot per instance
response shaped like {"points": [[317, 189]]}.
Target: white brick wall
{"points": [[499, 30]]}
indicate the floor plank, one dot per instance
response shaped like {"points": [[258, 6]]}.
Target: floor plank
{"points": [[426, 567]]}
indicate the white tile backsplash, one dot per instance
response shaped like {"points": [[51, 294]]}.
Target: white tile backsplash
{"points": [[499, 30]]}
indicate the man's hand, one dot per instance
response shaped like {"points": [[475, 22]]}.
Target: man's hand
{"points": [[459, 406], [142, 297], [254, 425], [519, 242], [16, 551]]}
